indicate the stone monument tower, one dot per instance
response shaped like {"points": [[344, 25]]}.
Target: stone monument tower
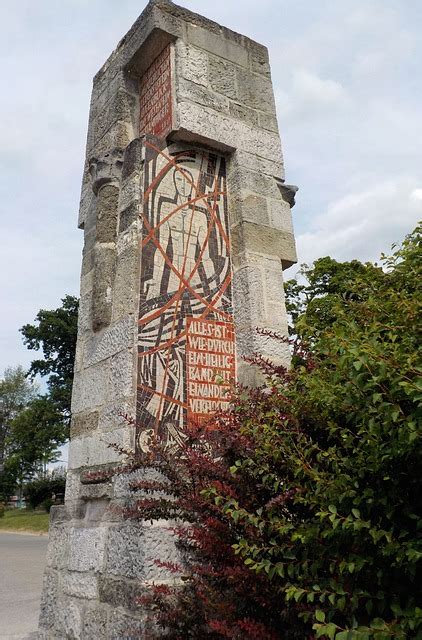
{"points": [[187, 226]]}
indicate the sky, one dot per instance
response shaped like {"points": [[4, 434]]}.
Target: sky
{"points": [[346, 76]]}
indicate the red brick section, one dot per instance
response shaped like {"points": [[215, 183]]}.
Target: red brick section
{"points": [[156, 97]]}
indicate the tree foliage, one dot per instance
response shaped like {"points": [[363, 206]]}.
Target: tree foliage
{"points": [[35, 435], [15, 394], [303, 503], [314, 297], [33, 426], [41, 490], [55, 333]]}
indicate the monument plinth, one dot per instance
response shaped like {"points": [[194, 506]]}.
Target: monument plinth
{"points": [[187, 228]]}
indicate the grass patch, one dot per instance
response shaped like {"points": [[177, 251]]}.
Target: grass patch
{"points": [[23, 520]]}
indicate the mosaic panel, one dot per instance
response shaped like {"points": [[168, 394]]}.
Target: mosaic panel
{"points": [[186, 338]]}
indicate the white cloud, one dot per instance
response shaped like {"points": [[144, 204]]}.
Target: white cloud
{"points": [[363, 224], [416, 194], [311, 95]]}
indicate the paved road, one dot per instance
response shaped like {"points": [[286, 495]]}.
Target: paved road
{"points": [[22, 559]]}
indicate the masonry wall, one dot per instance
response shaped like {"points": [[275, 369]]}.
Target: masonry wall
{"points": [[222, 102]]}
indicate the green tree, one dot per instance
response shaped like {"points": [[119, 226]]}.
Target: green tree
{"points": [[15, 394], [32, 442], [319, 290], [40, 491], [55, 333], [35, 435], [33, 426]]}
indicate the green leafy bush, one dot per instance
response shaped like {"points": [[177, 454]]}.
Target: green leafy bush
{"points": [[312, 482], [40, 491], [338, 529], [47, 504]]}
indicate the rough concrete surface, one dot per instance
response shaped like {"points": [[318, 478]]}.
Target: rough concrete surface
{"points": [[22, 560]]}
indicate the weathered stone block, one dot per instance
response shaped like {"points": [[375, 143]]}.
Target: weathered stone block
{"points": [[86, 202], [251, 208], [130, 191], [274, 350], [191, 91], [73, 486], [95, 623], [58, 547], [265, 241], [87, 260], [90, 240], [107, 201], [222, 77], [79, 353], [280, 215], [128, 216], [134, 549], [121, 80], [268, 121], [111, 341], [122, 379], [129, 239], [192, 63], [105, 263], [126, 280], [249, 302], [133, 158], [249, 375], [69, 620], [273, 278], [126, 553], [260, 62], [98, 449], [227, 133], [91, 492], [244, 179], [122, 482], [119, 593], [119, 110], [97, 510], [49, 599], [91, 122], [219, 46], [87, 549], [84, 315], [87, 283], [123, 106], [255, 91], [83, 423], [79, 585], [124, 627], [159, 544], [240, 112], [59, 514], [257, 163], [90, 388], [111, 414], [117, 137]]}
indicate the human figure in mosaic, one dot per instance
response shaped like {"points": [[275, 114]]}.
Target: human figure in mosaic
{"points": [[186, 237]]}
